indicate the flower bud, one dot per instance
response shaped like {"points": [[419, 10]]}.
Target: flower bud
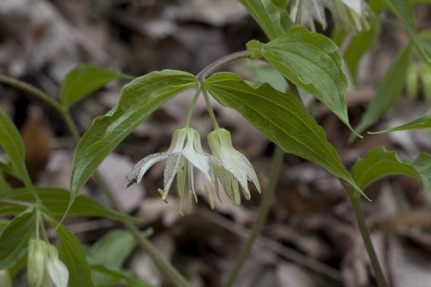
{"points": [[44, 268]]}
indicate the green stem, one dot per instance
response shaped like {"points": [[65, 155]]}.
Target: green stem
{"points": [[210, 109], [261, 217], [32, 90], [221, 62], [354, 200], [192, 106], [164, 266]]}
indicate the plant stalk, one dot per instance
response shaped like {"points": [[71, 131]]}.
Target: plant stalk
{"points": [[211, 68], [261, 217], [362, 226]]}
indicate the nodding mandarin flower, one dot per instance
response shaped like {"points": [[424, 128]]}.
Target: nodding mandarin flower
{"points": [[44, 268], [352, 14], [184, 154], [232, 168], [226, 165]]}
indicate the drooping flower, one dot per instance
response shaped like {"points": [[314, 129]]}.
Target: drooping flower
{"points": [[44, 268], [352, 14], [184, 154], [232, 168]]}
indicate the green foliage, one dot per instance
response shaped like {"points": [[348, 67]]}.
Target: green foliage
{"points": [[422, 122], [271, 17], [403, 9], [56, 201], [108, 255], [83, 80], [279, 116], [138, 100], [311, 62], [15, 237], [72, 254], [361, 43], [379, 163], [11, 141], [388, 91]]}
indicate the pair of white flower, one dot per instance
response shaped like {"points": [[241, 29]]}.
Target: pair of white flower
{"points": [[44, 268], [226, 166], [349, 13]]}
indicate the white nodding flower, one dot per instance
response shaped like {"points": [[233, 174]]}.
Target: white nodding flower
{"points": [[184, 154], [44, 268], [231, 168], [351, 14]]}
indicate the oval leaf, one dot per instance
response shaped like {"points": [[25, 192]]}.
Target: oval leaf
{"points": [[311, 62], [281, 117], [15, 237], [379, 163], [10, 140], [138, 99], [56, 201], [83, 80], [273, 19]]}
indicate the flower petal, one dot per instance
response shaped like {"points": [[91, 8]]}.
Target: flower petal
{"points": [[138, 171], [58, 272]]}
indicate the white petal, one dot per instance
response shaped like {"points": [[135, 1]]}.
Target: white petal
{"points": [[198, 159], [139, 170], [355, 5], [174, 164], [58, 272]]}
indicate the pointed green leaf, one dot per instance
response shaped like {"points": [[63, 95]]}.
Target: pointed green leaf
{"points": [[281, 117], [389, 90], [15, 237], [56, 201], [423, 122], [83, 80], [379, 163], [138, 100], [73, 256], [272, 18], [10, 140], [403, 9], [311, 62]]}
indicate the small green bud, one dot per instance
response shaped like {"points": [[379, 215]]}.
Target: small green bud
{"points": [[44, 268]]}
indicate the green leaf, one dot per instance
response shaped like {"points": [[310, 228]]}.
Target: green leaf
{"points": [[15, 237], [10, 140], [117, 274], [389, 90], [281, 117], [112, 251], [311, 62], [72, 254], [360, 44], [423, 122], [403, 9], [56, 201], [138, 100], [379, 163], [272, 18], [83, 80]]}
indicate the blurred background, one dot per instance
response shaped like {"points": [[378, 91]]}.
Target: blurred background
{"points": [[310, 238]]}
